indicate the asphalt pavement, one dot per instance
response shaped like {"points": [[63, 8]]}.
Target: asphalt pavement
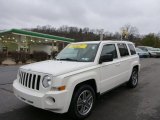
{"points": [[122, 103]]}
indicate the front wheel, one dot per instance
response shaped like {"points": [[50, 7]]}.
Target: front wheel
{"points": [[133, 81], [82, 102]]}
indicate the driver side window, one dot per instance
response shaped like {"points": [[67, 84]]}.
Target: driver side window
{"points": [[109, 49]]}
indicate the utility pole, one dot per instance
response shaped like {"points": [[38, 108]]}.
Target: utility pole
{"points": [[121, 36], [121, 32], [101, 34]]}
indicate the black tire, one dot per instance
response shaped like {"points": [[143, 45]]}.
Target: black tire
{"points": [[133, 81], [74, 110]]}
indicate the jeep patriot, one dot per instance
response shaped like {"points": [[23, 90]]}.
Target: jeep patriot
{"points": [[79, 73]]}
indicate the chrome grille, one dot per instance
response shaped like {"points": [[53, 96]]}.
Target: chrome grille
{"points": [[29, 80]]}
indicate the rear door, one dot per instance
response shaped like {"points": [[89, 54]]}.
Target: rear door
{"points": [[125, 62]]}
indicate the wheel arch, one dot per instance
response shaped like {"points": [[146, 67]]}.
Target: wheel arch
{"points": [[137, 67], [90, 82]]}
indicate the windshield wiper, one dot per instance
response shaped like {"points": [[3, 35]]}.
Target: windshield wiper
{"points": [[67, 59]]}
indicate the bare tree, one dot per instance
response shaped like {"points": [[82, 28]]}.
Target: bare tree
{"points": [[129, 32]]}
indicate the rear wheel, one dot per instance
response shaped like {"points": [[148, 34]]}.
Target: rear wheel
{"points": [[82, 102], [133, 81]]}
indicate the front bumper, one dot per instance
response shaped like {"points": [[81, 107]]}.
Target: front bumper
{"points": [[154, 55], [158, 54], [144, 56], [53, 100]]}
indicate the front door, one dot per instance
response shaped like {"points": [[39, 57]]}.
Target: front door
{"points": [[110, 71]]}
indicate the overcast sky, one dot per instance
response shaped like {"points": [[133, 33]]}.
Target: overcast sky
{"points": [[109, 15]]}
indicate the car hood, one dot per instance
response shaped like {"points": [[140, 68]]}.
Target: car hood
{"points": [[56, 67], [154, 51], [142, 52]]}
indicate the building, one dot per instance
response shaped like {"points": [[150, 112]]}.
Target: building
{"points": [[28, 41]]}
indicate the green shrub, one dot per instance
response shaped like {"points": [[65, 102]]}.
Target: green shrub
{"points": [[15, 56], [2, 57], [20, 56], [39, 56], [24, 56]]}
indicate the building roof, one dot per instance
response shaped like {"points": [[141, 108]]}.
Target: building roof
{"points": [[37, 35], [105, 41]]}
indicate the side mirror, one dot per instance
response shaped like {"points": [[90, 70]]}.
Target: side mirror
{"points": [[106, 58]]}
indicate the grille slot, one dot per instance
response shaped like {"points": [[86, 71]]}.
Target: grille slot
{"points": [[33, 81], [29, 80], [38, 82], [26, 80]]}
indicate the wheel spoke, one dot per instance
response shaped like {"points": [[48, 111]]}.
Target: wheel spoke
{"points": [[89, 97], [80, 102], [84, 95], [87, 105], [83, 110], [134, 78]]}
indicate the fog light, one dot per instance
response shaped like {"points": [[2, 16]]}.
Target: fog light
{"points": [[50, 100]]}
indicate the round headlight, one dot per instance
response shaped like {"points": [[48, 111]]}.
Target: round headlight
{"points": [[46, 82]]}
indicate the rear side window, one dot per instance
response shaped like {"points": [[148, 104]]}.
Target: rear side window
{"points": [[123, 49], [109, 49], [132, 49]]}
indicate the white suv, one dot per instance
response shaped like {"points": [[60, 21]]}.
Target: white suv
{"points": [[80, 72]]}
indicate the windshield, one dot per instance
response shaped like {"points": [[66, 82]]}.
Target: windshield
{"points": [[150, 49], [143, 48], [81, 52], [139, 50], [146, 48]]}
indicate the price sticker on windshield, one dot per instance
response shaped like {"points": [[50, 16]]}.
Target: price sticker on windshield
{"points": [[82, 46]]}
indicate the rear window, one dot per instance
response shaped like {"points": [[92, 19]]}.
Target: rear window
{"points": [[132, 49], [123, 49]]}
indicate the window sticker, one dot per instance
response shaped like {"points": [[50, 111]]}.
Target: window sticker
{"points": [[82, 46], [85, 59]]}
